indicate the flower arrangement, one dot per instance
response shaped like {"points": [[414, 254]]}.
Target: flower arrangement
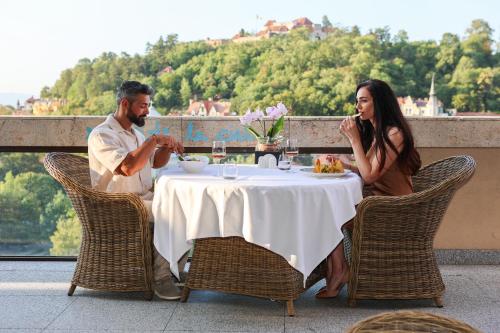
{"points": [[275, 113]]}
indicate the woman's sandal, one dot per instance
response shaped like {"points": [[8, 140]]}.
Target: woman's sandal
{"points": [[322, 293]]}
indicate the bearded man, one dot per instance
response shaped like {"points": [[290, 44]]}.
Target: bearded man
{"points": [[121, 160]]}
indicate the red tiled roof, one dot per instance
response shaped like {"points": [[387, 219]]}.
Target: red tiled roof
{"points": [[221, 107], [269, 23], [280, 28], [302, 21]]}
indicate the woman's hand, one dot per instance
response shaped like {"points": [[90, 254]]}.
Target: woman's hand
{"points": [[348, 161], [350, 130]]}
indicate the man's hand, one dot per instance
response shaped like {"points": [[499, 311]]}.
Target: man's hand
{"points": [[170, 143]]}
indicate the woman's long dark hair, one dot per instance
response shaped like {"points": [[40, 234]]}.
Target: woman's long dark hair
{"points": [[387, 114]]}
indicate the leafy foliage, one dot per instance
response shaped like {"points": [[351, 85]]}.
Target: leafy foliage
{"points": [[311, 77], [67, 237], [6, 110], [20, 162], [23, 199]]}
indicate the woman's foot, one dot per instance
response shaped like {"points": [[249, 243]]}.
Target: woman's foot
{"points": [[325, 293], [337, 286]]}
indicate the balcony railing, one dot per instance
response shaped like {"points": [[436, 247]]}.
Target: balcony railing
{"points": [[471, 221]]}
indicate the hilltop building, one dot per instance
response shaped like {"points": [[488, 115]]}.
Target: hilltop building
{"points": [[272, 28], [208, 108], [167, 69], [39, 106], [217, 42], [423, 107]]}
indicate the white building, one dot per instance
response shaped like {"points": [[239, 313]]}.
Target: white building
{"points": [[426, 107]]}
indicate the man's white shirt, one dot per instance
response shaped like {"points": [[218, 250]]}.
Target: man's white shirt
{"points": [[108, 145]]}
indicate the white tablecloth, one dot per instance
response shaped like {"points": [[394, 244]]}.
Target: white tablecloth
{"points": [[290, 213]]}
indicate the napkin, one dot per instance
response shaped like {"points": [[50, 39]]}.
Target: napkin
{"points": [[267, 161]]}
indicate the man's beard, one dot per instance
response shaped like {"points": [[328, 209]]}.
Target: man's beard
{"points": [[139, 121]]}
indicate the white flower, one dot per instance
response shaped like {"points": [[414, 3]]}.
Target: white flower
{"points": [[273, 113], [259, 115], [282, 109], [247, 119]]}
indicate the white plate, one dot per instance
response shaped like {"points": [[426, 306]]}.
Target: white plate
{"points": [[309, 172]]}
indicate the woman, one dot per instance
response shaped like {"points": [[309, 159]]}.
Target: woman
{"points": [[385, 157]]}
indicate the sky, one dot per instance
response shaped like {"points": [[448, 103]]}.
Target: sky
{"points": [[39, 39]]}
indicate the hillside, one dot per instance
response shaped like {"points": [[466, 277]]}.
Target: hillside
{"points": [[312, 77]]}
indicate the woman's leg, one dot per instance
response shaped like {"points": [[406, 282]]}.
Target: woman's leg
{"points": [[336, 274]]}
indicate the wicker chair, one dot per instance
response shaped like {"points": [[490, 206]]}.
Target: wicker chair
{"points": [[233, 265], [409, 322], [392, 246], [115, 253]]}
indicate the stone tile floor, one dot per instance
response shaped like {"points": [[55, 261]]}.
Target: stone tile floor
{"points": [[33, 299]]}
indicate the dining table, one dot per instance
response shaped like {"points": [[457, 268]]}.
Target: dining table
{"points": [[296, 214]]}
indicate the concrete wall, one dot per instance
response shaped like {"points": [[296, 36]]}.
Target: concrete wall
{"points": [[449, 132], [472, 220], [473, 217]]}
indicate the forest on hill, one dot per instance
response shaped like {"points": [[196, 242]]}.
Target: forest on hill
{"points": [[311, 77]]}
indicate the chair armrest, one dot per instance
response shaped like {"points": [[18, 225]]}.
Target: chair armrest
{"points": [[119, 203]]}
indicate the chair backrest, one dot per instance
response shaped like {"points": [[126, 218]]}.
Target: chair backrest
{"points": [[410, 321], [72, 171], [416, 217], [455, 171], [92, 206]]}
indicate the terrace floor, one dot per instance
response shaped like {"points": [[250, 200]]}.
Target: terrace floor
{"points": [[33, 299]]}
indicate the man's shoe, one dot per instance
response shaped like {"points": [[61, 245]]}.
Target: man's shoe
{"points": [[167, 291]]}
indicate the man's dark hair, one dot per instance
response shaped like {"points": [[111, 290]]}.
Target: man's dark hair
{"points": [[130, 89]]}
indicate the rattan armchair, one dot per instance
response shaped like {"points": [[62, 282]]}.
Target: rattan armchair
{"points": [[410, 322], [392, 245], [233, 265], [115, 253]]}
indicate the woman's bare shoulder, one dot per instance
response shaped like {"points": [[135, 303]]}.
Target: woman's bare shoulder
{"points": [[395, 136], [394, 131]]}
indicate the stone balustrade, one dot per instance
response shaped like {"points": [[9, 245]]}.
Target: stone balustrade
{"points": [[471, 222]]}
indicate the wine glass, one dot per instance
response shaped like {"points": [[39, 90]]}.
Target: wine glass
{"points": [[218, 153], [291, 149]]}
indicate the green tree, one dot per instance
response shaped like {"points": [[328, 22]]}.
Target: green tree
{"points": [[67, 236], [185, 92], [478, 43], [45, 92], [311, 77], [325, 22], [23, 199], [55, 209], [17, 163], [6, 110]]}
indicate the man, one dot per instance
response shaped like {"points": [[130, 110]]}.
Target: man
{"points": [[120, 160]]}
